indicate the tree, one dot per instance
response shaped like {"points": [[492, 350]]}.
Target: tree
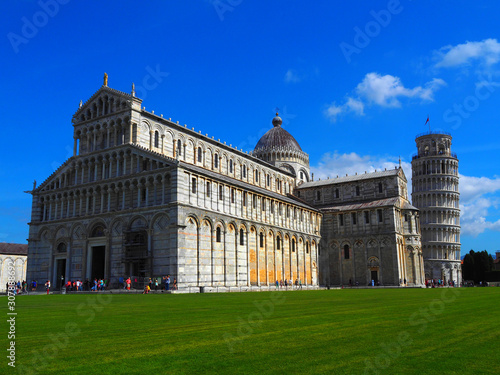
{"points": [[468, 266], [476, 264]]}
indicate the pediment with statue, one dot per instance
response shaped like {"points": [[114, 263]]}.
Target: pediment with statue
{"points": [[104, 102]]}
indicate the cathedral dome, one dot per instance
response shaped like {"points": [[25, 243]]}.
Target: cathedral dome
{"points": [[277, 138]]}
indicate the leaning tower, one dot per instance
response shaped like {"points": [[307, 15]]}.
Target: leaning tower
{"points": [[435, 193]]}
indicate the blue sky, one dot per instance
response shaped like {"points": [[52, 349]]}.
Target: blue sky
{"points": [[354, 83]]}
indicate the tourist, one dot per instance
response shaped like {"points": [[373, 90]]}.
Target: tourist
{"points": [[175, 283], [156, 285], [146, 289], [128, 282], [150, 283], [167, 282], [296, 283], [47, 286], [286, 284], [300, 284]]}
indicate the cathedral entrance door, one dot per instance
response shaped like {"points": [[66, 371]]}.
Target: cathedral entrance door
{"points": [[60, 273], [374, 276], [98, 257]]}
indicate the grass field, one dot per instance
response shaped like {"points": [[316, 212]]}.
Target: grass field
{"points": [[395, 331]]}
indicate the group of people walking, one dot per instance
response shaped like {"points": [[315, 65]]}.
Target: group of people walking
{"points": [[288, 283]]}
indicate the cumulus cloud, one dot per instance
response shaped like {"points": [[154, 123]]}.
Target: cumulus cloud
{"points": [[478, 202], [336, 164], [485, 52], [384, 91], [351, 105], [387, 90]]}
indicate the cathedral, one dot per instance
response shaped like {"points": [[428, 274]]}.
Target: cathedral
{"points": [[145, 196]]}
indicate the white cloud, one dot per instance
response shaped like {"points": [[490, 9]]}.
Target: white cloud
{"points": [[486, 52], [335, 164], [352, 105], [333, 111], [355, 106], [473, 188], [478, 202], [384, 91], [291, 76]]}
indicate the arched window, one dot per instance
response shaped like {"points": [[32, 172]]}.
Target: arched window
{"points": [[307, 247], [380, 187], [218, 235], [232, 195], [208, 188], [242, 237], [337, 193], [216, 161], [268, 180], [200, 155], [61, 248], [221, 192], [318, 195], [261, 242], [98, 231], [256, 176], [179, 147], [357, 191], [244, 172], [293, 245], [230, 165], [278, 243], [157, 139], [346, 251]]}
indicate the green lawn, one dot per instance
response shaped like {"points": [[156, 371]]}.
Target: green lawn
{"points": [[394, 331]]}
